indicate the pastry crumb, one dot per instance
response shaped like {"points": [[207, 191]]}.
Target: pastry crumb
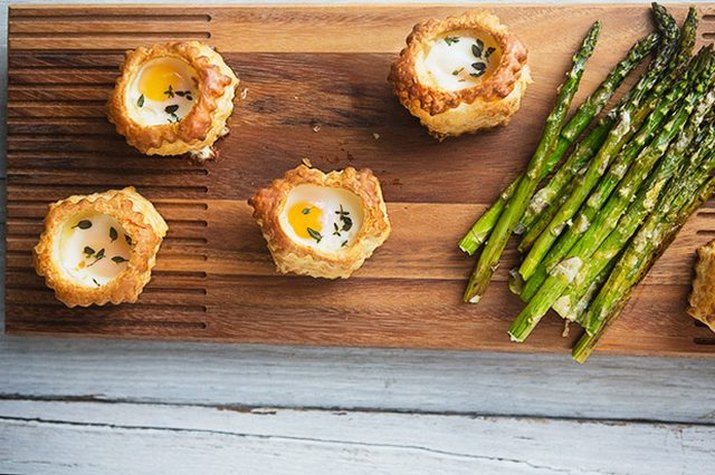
{"points": [[306, 162]]}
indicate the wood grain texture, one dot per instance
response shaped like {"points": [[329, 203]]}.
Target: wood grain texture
{"points": [[214, 279], [128, 438], [422, 381]]}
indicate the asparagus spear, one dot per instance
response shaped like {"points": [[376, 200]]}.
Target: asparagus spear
{"points": [[489, 259], [566, 271], [555, 193], [538, 261], [618, 239], [644, 241], [659, 106], [642, 253], [480, 230]]}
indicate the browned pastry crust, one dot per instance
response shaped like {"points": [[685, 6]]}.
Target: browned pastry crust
{"points": [[290, 256], [490, 102], [702, 298], [139, 219], [206, 121]]}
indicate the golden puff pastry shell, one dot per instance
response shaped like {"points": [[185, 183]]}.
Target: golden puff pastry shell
{"points": [[206, 121], [702, 298], [488, 103], [137, 216], [291, 256]]}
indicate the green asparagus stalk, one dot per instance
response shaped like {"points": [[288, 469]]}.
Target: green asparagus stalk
{"points": [[645, 249], [578, 309], [490, 257], [644, 241], [538, 216], [535, 268], [618, 239], [566, 271], [591, 107]]}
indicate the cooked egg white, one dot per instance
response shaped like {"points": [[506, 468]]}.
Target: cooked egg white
{"points": [[163, 92], [94, 249], [458, 61], [327, 219]]}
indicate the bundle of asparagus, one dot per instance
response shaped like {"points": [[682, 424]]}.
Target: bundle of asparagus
{"points": [[612, 206]]}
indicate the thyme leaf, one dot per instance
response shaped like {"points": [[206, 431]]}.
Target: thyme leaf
{"points": [[315, 234], [140, 101], [84, 224], [305, 211], [95, 282], [118, 259], [171, 109], [128, 239], [97, 257], [480, 69], [450, 40], [89, 251], [169, 92], [113, 234]]}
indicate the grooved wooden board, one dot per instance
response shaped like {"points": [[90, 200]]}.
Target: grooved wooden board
{"points": [[304, 67]]}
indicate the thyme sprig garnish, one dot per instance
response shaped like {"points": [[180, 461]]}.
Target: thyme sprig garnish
{"points": [[344, 217], [457, 71], [450, 40], [84, 224], [171, 93], [95, 282], [171, 110], [480, 67], [315, 234], [337, 230], [185, 94], [478, 49], [98, 256]]}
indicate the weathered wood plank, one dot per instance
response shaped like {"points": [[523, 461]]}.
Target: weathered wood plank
{"points": [[125, 438], [434, 381]]}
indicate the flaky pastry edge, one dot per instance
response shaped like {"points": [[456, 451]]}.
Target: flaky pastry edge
{"points": [[140, 220], [268, 204], [424, 101], [205, 122]]}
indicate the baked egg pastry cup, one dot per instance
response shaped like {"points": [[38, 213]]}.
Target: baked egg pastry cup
{"points": [[461, 74], [99, 248], [173, 98], [322, 224]]}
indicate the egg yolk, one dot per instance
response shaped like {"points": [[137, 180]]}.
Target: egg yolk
{"points": [[157, 78], [305, 217]]}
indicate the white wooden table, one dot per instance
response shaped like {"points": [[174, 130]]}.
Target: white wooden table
{"points": [[89, 406]]}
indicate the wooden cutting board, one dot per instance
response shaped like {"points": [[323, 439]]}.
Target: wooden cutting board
{"points": [[315, 87]]}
